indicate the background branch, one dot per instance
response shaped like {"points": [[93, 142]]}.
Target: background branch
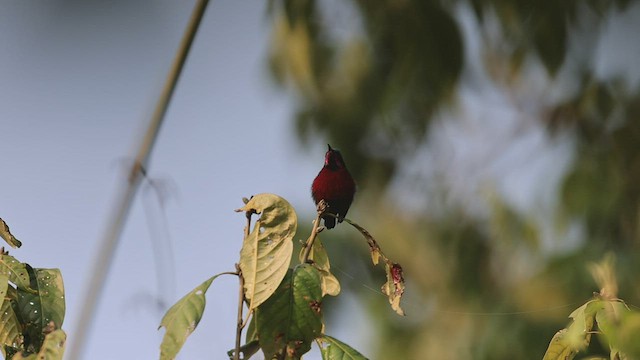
{"points": [[126, 195]]}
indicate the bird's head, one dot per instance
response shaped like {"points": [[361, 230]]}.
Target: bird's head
{"points": [[333, 159]]}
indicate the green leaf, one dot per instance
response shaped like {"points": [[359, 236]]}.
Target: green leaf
{"points": [[252, 332], [16, 271], [41, 308], [559, 348], [8, 236], [182, 319], [337, 350], [52, 348], [318, 254], [266, 252], [51, 294], [10, 334], [291, 318], [628, 334], [620, 328]]}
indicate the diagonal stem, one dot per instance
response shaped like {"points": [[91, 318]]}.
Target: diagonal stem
{"points": [[125, 199], [308, 245]]}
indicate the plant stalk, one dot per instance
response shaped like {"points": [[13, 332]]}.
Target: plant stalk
{"points": [[240, 322], [308, 245], [127, 194]]}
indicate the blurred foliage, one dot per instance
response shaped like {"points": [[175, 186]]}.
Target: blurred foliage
{"points": [[478, 287]]}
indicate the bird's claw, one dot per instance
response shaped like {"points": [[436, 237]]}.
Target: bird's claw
{"points": [[322, 207]]}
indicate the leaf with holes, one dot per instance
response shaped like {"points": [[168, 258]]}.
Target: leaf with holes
{"points": [[266, 252], [51, 293], [182, 319], [8, 236], [42, 309], [291, 318], [16, 271], [337, 350], [52, 348]]}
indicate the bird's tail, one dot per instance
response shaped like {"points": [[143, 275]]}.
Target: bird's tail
{"points": [[329, 221]]}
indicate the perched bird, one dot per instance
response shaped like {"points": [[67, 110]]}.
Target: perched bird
{"points": [[335, 186]]}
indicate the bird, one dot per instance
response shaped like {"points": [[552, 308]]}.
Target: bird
{"points": [[335, 186]]}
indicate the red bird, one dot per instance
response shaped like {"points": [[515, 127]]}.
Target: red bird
{"points": [[335, 186]]}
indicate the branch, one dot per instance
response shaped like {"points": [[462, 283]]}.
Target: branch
{"points": [[126, 196], [308, 245], [240, 322], [241, 298]]}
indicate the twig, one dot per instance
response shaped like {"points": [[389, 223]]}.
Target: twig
{"points": [[247, 230], [123, 204], [308, 245], [241, 298], [240, 323]]}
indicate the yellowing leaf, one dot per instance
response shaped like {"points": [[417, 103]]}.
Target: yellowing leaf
{"points": [[318, 254], [266, 252], [7, 236], [10, 328], [559, 348], [394, 287], [16, 271], [52, 348], [374, 248], [566, 343]]}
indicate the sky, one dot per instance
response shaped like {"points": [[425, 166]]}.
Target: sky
{"points": [[79, 83]]}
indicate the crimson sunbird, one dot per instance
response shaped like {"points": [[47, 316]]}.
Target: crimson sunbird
{"points": [[335, 186]]}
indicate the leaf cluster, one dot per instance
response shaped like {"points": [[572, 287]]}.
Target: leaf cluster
{"points": [[32, 307], [285, 304], [617, 326]]}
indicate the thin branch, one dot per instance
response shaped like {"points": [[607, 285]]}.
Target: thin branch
{"points": [[125, 198], [240, 322], [241, 298], [308, 245], [247, 230]]}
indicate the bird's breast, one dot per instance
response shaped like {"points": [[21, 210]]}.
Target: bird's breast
{"points": [[333, 184]]}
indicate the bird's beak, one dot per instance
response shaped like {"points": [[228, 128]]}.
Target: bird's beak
{"points": [[329, 147]]}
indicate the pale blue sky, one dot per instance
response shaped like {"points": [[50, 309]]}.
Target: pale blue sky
{"points": [[79, 82]]}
